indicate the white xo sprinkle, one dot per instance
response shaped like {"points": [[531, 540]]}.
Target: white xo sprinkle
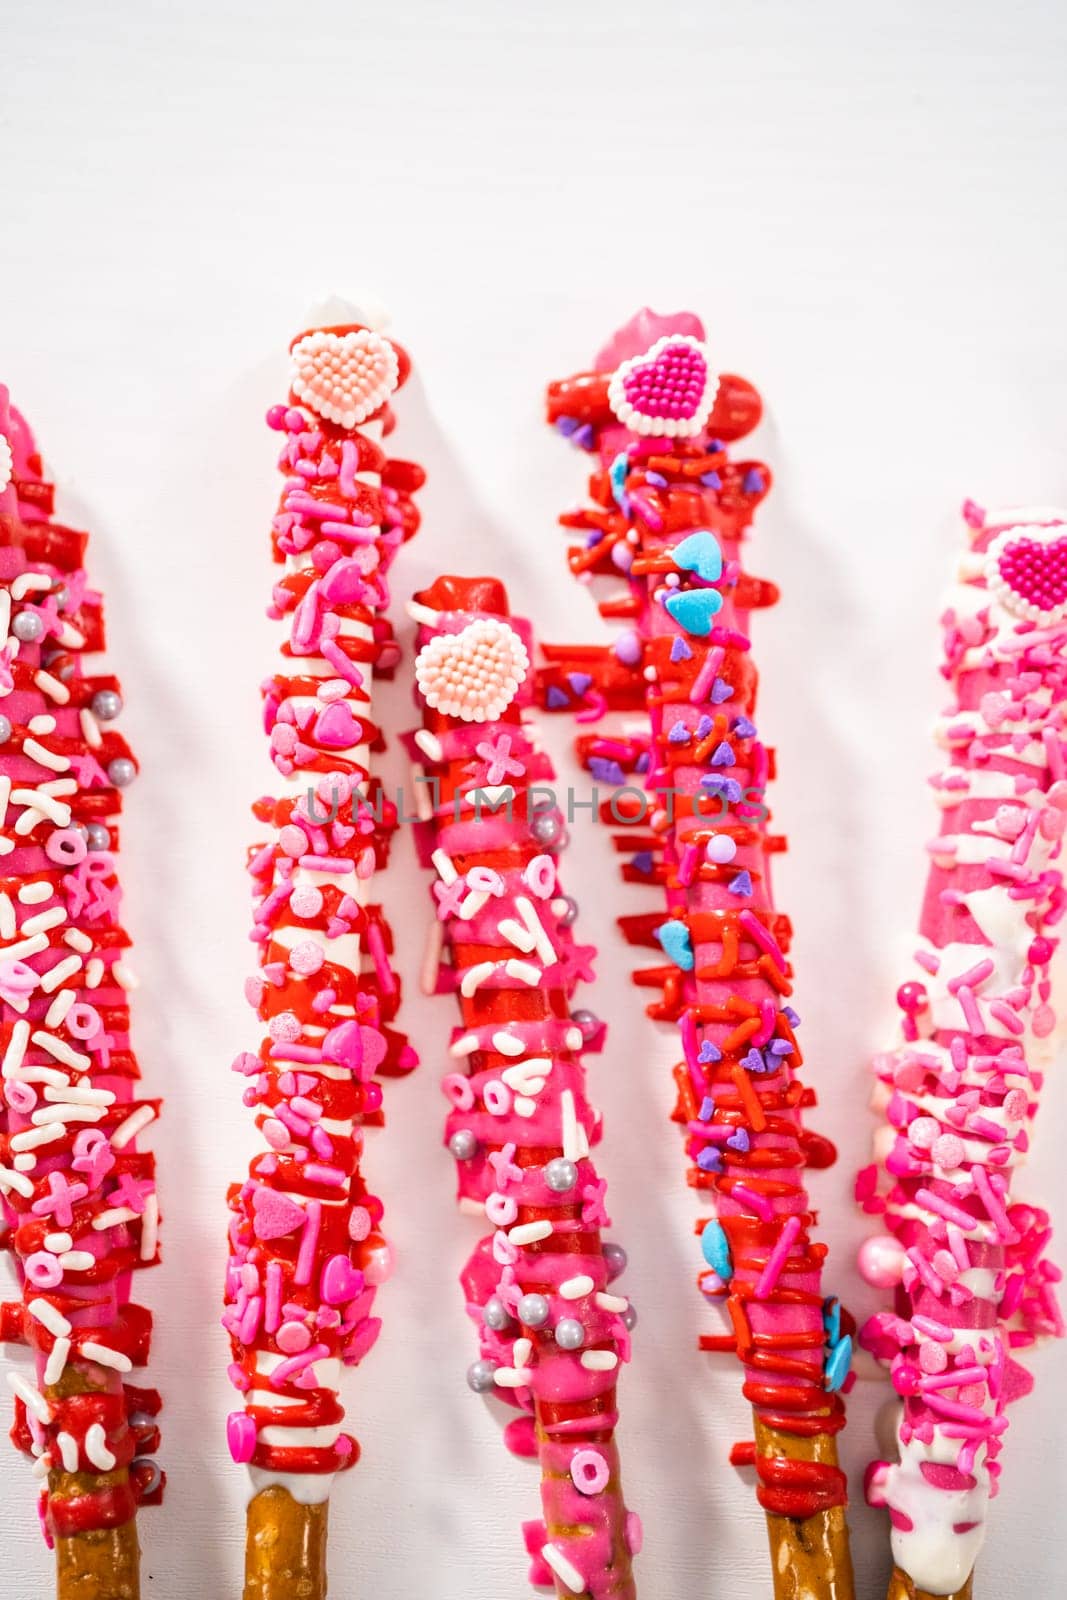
{"points": [[542, 943], [56, 1014], [68, 1451], [52, 687], [473, 904], [564, 1569], [524, 972], [506, 1044], [516, 934], [45, 757], [112, 1218], [39, 805], [132, 1126], [24, 948], [474, 977], [57, 1361], [94, 972], [30, 583], [71, 636], [573, 1141], [31, 894], [530, 1232], [445, 870], [575, 1288], [90, 729], [431, 747], [16, 1048], [25, 1163], [38, 1136], [611, 1302], [511, 1377], [523, 1106], [49, 1316], [43, 921], [45, 723], [573, 1039], [106, 1357], [57, 1242], [66, 1111], [465, 1046], [9, 1179], [521, 1351], [599, 1360], [61, 1051], [77, 1260], [77, 940], [150, 1228], [8, 926], [81, 1097], [96, 1447], [32, 1397], [123, 976]]}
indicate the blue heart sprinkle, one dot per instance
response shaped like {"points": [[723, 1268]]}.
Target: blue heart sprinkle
{"points": [[739, 1140], [720, 691], [643, 762], [567, 425], [838, 1363], [704, 727], [715, 1249], [790, 1016], [742, 884], [709, 1159], [743, 728], [707, 1109], [708, 1053], [674, 938], [679, 734], [723, 755], [699, 553], [579, 681], [711, 480], [754, 1061], [693, 609], [752, 482], [831, 1318], [680, 651], [642, 861], [556, 697], [780, 1047]]}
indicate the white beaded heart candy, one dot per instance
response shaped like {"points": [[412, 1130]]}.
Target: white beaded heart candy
{"points": [[1026, 568], [344, 377], [474, 674], [6, 463]]}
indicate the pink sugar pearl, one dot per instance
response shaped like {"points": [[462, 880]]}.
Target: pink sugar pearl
{"points": [[881, 1261]]}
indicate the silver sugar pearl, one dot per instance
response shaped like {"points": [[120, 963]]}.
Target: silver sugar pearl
{"points": [[106, 705], [629, 1317], [534, 1310], [495, 1314], [615, 1259], [60, 594], [480, 1376], [570, 1335], [28, 626], [587, 1021], [546, 827], [463, 1144], [121, 771], [561, 1174], [569, 912], [97, 836], [5, 729]]}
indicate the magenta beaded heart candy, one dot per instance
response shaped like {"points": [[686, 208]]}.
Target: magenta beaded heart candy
{"points": [[669, 390], [1026, 568]]}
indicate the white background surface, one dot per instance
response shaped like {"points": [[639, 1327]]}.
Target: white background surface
{"points": [[865, 205]]}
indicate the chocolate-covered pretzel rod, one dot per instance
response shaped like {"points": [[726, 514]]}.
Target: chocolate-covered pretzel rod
{"points": [[552, 1334], [306, 1253], [669, 511], [964, 1255], [79, 1197]]}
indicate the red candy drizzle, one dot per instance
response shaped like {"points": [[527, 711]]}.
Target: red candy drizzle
{"points": [[666, 522], [306, 1251], [79, 1198]]}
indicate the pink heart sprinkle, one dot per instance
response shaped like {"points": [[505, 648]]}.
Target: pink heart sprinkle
{"points": [[341, 1281], [274, 1214], [337, 728]]}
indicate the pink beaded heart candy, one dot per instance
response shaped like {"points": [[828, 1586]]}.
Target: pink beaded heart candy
{"points": [[670, 390], [474, 674], [344, 377], [1026, 568]]}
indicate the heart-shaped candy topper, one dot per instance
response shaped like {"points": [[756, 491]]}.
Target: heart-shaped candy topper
{"points": [[670, 390], [1026, 568], [474, 674], [344, 377]]}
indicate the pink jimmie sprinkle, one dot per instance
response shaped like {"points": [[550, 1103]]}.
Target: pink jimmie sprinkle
{"points": [[286, 1370], [305, 1261], [777, 1259]]}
